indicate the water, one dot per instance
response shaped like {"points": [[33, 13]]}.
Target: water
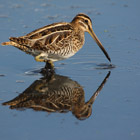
{"points": [[115, 112]]}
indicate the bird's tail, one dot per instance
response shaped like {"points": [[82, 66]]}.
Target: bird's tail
{"points": [[7, 43], [20, 43]]}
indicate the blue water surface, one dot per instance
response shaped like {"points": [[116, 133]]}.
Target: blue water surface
{"points": [[116, 111]]}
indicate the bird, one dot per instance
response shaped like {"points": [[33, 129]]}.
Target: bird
{"points": [[57, 93], [57, 41]]}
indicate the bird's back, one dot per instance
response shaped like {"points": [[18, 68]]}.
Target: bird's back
{"points": [[53, 42]]}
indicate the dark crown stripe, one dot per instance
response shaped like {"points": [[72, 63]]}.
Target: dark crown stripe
{"points": [[83, 15]]}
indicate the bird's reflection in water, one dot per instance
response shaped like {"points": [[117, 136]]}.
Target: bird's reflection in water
{"points": [[56, 94]]}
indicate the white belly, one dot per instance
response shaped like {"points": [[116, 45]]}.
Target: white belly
{"points": [[54, 57]]}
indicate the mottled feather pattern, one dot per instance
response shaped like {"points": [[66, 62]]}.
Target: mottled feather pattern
{"points": [[21, 41], [56, 100], [48, 30], [52, 38], [57, 41]]}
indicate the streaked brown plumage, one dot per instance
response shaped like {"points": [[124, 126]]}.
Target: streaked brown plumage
{"points": [[57, 94], [57, 41]]}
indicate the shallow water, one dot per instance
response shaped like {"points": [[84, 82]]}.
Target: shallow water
{"points": [[115, 112]]}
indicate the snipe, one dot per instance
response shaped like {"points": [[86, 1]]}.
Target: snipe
{"points": [[57, 41], [56, 94]]}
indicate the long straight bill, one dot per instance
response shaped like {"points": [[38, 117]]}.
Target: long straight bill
{"points": [[91, 32]]}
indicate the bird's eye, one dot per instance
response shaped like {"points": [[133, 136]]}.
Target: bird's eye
{"points": [[86, 21]]}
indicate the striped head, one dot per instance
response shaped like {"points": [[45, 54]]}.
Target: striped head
{"points": [[85, 24]]}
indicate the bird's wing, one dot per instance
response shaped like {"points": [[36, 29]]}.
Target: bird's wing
{"points": [[50, 36]]}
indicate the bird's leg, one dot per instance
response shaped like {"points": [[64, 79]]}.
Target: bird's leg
{"points": [[48, 70], [39, 58], [49, 65]]}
